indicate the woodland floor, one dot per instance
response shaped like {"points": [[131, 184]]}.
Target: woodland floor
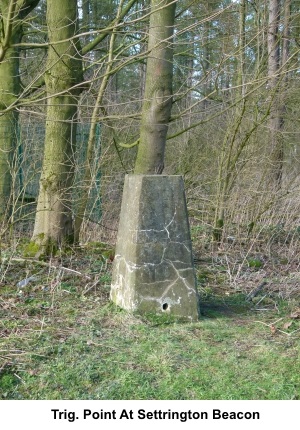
{"points": [[61, 338]]}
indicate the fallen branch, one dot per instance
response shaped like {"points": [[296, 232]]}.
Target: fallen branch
{"points": [[256, 291], [51, 266], [272, 327]]}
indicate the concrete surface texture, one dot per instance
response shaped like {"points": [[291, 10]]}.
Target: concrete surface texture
{"points": [[153, 267]]}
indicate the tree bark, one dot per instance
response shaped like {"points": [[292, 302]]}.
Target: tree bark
{"points": [[157, 102], [242, 47], [90, 150], [9, 90], [54, 220], [12, 15], [276, 148]]}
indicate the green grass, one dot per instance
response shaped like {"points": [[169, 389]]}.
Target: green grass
{"points": [[62, 343]]}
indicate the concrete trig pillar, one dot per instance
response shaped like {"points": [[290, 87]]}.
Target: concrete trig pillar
{"points": [[153, 268]]}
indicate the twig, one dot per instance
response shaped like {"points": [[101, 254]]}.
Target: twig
{"points": [[51, 266], [261, 299], [277, 329], [19, 377], [75, 272], [42, 325], [90, 342], [254, 292], [86, 290]]}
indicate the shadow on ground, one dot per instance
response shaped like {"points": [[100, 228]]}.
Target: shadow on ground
{"points": [[221, 307]]}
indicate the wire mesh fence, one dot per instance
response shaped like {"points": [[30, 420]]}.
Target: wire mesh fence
{"points": [[25, 164]]}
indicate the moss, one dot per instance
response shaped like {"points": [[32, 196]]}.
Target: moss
{"points": [[39, 247], [30, 249], [255, 263]]}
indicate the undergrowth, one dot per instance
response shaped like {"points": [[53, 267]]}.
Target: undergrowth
{"points": [[61, 338]]}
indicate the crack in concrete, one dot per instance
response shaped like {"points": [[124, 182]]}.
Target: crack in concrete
{"points": [[153, 267]]}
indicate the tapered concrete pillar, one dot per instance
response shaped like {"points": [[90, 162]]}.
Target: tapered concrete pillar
{"points": [[153, 268]]}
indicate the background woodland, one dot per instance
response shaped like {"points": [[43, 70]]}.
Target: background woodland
{"points": [[72, 82]]}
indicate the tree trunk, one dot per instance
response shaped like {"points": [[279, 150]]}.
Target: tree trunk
{"points": [[87, 167], [9, 90], [157, 102], [207, 87], [86, 19], [12, 16], [54, 220], [242, 47], [276, 148]]}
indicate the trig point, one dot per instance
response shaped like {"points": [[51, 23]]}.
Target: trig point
{"points": [[153, 269]]}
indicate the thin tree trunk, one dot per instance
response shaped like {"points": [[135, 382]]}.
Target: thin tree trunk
{"points": [[242, 45], [157, 102], [279, 124], [206, 53], [276, 148], [12, 16], [9, 90], [90, 151]]}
